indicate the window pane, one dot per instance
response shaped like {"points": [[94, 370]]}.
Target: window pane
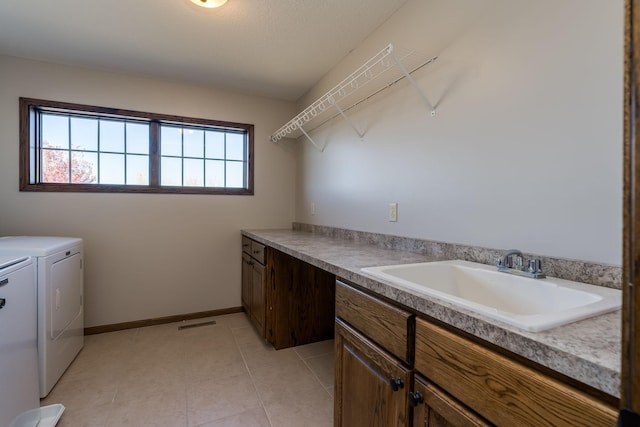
{"points": [[111, 136], [235, 146], [235, 174], [193, 173], [55, 131], [55, 166], [193, 143], [137, 138], [170, 141], [84, 167], [84, 134], [215, 173], [170, 171], [111, 168], [137, 170], [214, 145]]}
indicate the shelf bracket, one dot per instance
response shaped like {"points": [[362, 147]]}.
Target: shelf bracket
{"points": [[345, 117], [413, 81], [311, 139]]}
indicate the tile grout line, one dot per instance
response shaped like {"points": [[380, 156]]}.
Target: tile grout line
{"points": [[186, 381], [130, 344], [314, 373], [244, 360]]}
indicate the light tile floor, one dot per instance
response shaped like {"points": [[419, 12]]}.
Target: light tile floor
{"points": [[220, 375]]}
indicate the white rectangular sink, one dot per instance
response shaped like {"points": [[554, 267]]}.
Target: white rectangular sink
{"points": [[531, 304]]}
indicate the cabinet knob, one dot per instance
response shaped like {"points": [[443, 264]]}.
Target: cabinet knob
{"points": [[415, 398], [396, 384]]}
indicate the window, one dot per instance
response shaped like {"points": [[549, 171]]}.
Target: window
{"points": [[69, 147]]}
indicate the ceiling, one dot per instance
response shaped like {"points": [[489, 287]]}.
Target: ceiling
{"points": [[273, 48]]}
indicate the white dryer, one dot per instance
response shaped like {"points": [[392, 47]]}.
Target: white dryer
{"points": [[59, 265]]}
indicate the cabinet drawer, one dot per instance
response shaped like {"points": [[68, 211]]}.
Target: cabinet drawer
{"points": [[246, 245], [503, 391], [385, 324], [258, 251]]}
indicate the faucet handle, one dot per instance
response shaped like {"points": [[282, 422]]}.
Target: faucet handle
{"points": [[535, 265]]}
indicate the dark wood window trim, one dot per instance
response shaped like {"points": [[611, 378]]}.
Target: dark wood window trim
{"points": [[29, 163]]}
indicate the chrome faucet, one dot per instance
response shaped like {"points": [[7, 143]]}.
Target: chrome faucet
{"points": [[507, 259], [506, 264]]}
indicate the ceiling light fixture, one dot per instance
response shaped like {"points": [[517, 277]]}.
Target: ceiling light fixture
{"points": [[210, 4]]}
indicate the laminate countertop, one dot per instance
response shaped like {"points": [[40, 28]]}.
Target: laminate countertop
{"points": [[587, 351]]}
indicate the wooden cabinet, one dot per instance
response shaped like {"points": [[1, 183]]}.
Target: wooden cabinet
{"points": [[371, 385], [289, 301], [449, 380], [372, 375], [254, 282], [300, 300], [246, 283], [433, 407], [381, 322], [500, 389], [258, 288], [376, 388]]}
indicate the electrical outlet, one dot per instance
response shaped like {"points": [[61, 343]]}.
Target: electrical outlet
{"points": [[393, 212]]}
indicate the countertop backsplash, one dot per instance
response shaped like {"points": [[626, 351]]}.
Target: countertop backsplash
{"points": [[579, 271]]}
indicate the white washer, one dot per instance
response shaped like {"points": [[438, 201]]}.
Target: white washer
{"points": [[59, 265], [18, 345]]}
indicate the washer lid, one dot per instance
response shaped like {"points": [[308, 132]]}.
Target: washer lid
{"points": [[8, 261], [36, 245]]}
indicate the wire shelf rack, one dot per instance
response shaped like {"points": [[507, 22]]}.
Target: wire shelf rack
{"points": [[382, 71]]}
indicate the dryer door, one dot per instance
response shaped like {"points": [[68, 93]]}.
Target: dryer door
{"points": [[65, 297]]}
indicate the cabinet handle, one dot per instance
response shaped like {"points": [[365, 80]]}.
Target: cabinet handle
{"points": [[396, 384], [415, 398]]}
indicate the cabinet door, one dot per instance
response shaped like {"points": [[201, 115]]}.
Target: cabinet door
{"points": [[246, 283], [432, 407], [257, 296], [370, 385]]}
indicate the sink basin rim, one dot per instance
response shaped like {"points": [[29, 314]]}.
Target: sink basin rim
{"points": [[608, 300]]}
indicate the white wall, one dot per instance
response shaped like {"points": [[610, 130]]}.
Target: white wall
{"points": [[526, 148], [147, 255]]}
